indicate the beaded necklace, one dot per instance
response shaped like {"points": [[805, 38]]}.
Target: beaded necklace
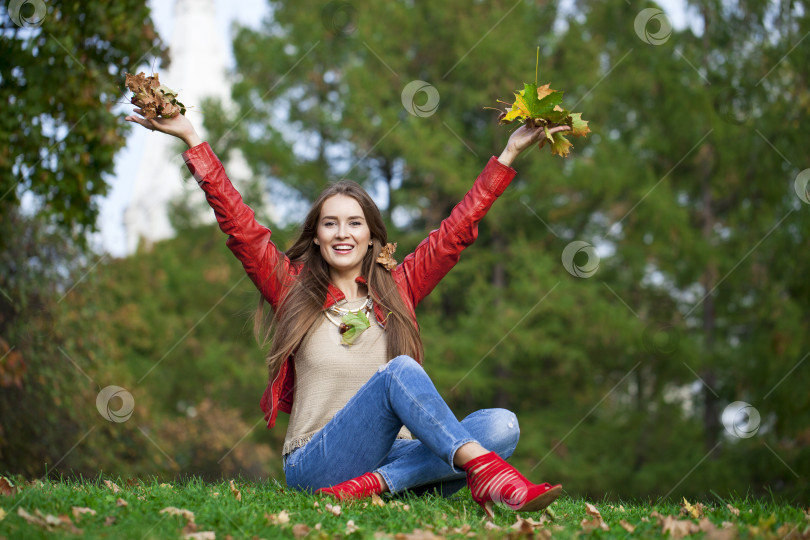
{"points": [[351, 322]]}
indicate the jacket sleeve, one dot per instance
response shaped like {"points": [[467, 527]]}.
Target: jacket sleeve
{"points": [[422, 270], [247, 239]]}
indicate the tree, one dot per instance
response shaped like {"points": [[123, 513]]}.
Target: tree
{"points": [[61, 75]]}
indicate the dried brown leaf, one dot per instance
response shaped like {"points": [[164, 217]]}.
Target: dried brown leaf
{"points": [[386, 256], [112, 485], [626, 526], [733, 510], [188, 515], [695, 511], [121, 502], [7, 487], [79, 510], [596, 521], [593, 524], [235, 491], [202, 535], [678, 528], [300, 530]]}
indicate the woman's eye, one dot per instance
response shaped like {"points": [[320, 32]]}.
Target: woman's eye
{"points": [[356, 223]]}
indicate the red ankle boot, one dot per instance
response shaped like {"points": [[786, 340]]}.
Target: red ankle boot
{"points": [[356, 488], [492, 480]]}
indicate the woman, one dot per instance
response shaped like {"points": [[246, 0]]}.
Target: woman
{"points": [[346, 354]]}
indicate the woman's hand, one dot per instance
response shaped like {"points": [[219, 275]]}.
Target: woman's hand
{"points": [[524, 137], [178, 126]]}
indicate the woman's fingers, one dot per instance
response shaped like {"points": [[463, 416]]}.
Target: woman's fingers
{"points": [[142, 121], [559, 128]]}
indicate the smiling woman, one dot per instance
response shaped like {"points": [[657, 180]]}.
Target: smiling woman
{"points": [[344, 239], [367, 394]]}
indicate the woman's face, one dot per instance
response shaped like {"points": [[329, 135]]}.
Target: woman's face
{"points": [[343, 234]]}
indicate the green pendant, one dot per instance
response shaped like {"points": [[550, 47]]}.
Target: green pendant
{"points": [[353, 325]]}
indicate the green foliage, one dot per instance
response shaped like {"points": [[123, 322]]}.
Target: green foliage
{"points": [[59, 85], [171, 332]]}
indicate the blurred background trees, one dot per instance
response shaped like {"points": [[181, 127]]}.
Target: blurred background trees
{"points": [[685, 191]]}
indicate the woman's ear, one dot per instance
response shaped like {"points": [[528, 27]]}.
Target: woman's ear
{"points": [[316, 242]]}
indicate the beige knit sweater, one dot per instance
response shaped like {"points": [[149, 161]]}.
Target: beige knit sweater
{"points": [[328, 374]]}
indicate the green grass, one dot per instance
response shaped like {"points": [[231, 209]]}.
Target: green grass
{"points": [[248, 518]]}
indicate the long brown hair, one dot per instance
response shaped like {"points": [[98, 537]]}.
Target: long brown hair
{"points": [[303, 302]]}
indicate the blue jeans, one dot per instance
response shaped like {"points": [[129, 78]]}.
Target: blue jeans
{"points": [[361, 437]]}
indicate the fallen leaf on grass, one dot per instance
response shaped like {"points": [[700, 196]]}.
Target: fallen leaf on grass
{"points": [[491, 526], [121, 502], [733, 510], [678, 528], [202, 535], [351, 527], [300, 530], [416, 534], [626, 526], [109, 521], [188, 515], [48, 522], [236, 492], [2, 514], [79, 510], [7, 487], [112, 485], [696, 511], [282, 518], [531, 528], [376, 500], [596, 521], [334, 509], [658, 517]]}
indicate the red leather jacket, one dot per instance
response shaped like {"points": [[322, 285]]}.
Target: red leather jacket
{"points": [[416, 276]]}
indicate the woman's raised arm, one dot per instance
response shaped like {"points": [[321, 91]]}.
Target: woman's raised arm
{"points": [[422, 270], [268, 267]]}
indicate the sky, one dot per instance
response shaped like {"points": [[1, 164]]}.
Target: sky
{"points": [[111, 237]]}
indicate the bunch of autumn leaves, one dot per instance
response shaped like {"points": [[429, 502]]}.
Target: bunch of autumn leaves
{"points": [[541, 107], [154, 99]]}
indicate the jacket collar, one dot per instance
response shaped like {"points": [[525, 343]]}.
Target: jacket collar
{"points": [[335, 295]]}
